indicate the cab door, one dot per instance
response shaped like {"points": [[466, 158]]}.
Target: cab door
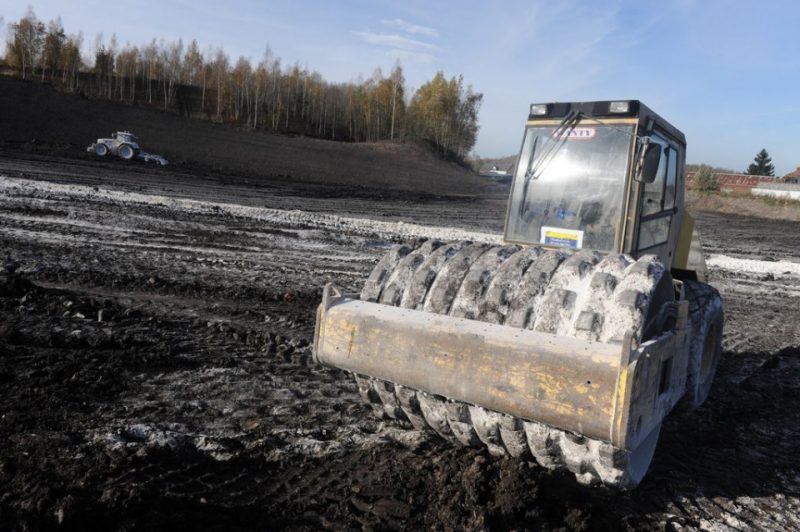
{"points": [[658, 223]]}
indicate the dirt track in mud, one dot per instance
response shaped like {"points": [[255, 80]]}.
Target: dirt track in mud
{"points": [[156, 373]]}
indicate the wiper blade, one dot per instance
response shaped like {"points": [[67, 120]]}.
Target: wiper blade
{"points": [[531, 158], [554, 143], [528, 174]]}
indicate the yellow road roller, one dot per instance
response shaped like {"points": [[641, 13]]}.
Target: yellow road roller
{"points": [[569, 343]]}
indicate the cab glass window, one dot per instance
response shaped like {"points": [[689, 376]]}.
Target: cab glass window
{"points": [[569, 186], [654, 232], [658, 198], [672, 177], [653, 200]]}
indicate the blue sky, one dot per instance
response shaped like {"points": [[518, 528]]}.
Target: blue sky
{"points": [[725, 72]]}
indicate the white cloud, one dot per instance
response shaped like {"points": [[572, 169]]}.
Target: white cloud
{"points": [[411, 57], [407, 27], [396, 42]]}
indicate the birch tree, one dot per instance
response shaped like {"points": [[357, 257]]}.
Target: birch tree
{"points": [[25, 42], [53, 43]]}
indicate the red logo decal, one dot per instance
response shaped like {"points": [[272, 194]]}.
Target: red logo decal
{"points": [[578, 133]]}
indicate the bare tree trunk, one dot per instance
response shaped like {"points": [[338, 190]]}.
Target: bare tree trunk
{"points": [[394, 106], [219, 97], [255, 110], [203, 97]]}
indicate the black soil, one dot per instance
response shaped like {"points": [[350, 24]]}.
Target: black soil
{"points": [[156, 374], [35, 118]]}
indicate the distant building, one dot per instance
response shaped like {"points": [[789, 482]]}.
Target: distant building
{"points": [[792, 177], [741, 183]]}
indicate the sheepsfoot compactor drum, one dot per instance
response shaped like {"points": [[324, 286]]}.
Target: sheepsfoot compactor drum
{"points": [[571, 342]]}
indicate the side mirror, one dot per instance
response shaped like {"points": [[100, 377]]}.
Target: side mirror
{"points": [[649, 160]]}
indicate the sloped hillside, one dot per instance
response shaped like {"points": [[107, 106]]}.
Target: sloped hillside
{"points": [[35, 117]]}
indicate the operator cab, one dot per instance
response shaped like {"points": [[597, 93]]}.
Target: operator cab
{"points": [[125, 136], [598, 175]]}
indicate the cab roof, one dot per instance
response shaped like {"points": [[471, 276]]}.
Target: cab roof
{"points": [[603, 109]]}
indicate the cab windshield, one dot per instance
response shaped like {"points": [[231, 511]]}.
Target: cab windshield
{"points": [[569, 185]]}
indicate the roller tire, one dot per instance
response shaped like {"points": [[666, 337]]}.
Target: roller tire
{"points": [[487, 427], [435, 413], [560, 292], [705, 347], [382, 271], [369, 395], [407, 397], [405, 268]]}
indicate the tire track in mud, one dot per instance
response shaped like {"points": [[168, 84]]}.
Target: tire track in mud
{"points": [[28, 190], [14, 187]]}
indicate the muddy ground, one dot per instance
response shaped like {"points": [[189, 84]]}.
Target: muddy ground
{"points": [[37, 119], [156, 373]]}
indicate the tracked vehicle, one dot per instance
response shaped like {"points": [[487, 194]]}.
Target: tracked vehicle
{"points": [[569, 343]]}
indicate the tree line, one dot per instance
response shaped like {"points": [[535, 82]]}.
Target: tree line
{"points": [[267, 95], [706, 179]]}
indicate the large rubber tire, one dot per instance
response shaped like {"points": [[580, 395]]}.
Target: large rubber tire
{"points": [[580, 294], [126, 151], [705, 348], [101, 149]]}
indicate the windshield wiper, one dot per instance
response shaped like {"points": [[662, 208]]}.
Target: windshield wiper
{"points": [[554, 143], [531, 159], [528, 173]]}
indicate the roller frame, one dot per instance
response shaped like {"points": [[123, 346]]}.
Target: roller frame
{"points": [[616, 393]]}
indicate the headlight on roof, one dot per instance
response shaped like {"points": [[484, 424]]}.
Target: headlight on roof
{"points": [[619, 107], [539, 109]]}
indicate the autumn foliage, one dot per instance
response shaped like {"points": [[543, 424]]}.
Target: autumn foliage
{"points": [[266, 96]]}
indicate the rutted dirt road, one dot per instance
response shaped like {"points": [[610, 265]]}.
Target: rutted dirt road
{"points": [[155, 370]]}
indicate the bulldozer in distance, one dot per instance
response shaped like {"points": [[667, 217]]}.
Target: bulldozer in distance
{"points": [[571, 342]]}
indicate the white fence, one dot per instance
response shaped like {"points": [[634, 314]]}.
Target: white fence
{"points": [[777, 190]]}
